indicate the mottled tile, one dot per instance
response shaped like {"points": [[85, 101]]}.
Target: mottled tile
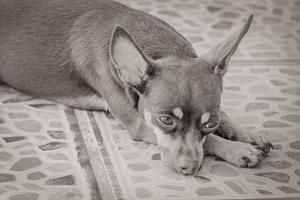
{"points": [[36, 176], [138, 166], [171, 187], [224, 171], [274, 124], [57, 156], [255, 181], [55, 124], [7, 178], [291, 91], [280, 164], [156, 156], [295, 144], [4, 156], [275, 176], [32, 186], [264, 192], [64, 180], [140, 179], [168, 13], [59, 167], [278, 83], [4, 130], [273, 136], [271, 98], [287, 189], [13, 139], [256, 106], [235, 187], [222, 25], [288, 108], [270, 113], [66, 194], [31, 126], [260, 89], [143, 193], [52, 146], [130, 156], [57, 134], [293, 155], [290, 71], [25, 196], [292, 118], [26, 163], [18, 115], [209, 191]]}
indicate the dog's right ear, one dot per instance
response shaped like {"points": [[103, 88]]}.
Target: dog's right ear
{"points": [[129, 62], [220, 55]]}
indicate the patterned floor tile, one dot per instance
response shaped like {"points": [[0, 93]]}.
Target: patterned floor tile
{"points": [[47, 154], [37, 153], [275, 33], [140, 173]]}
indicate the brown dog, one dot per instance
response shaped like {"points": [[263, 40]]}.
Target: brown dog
{"points": [[91, 54]]}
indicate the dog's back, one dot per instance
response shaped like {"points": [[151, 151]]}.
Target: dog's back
{"points": [[42, 41]]}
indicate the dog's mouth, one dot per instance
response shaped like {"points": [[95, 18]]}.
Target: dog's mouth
{"points": [[172, 162], [188, 172]]}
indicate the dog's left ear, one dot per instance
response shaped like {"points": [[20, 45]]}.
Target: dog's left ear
{"points": [[220, 55], [129, 62]]}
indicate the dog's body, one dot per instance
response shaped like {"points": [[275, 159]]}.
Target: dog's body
{"points": [[85, 53]]}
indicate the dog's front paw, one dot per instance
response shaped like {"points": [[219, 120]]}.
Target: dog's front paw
{"points": [[261, 143], [143, 133], [245, 155], [149, 136]]}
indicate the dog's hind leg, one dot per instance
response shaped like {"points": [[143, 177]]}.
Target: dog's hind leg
{"points": [[90, 102], [230, 130]]}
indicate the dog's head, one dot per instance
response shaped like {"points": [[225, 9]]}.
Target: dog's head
{"points": [[178, 98]]}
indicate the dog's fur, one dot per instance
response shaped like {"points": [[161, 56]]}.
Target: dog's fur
{"points": [[95, 54]]}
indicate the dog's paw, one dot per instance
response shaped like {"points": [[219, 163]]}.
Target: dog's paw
{"points": [[245, 155], [261, 143], [149, 136]]}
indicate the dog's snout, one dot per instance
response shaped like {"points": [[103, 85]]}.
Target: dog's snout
{"points": [[188, 167]]}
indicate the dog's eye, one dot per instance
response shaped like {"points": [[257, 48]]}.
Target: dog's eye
{"points": [[210, 127], [166, 120]]}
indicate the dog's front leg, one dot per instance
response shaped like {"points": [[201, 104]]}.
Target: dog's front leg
{"points": [[119, 105], [122, 109], [238, 153], [230, 130]]}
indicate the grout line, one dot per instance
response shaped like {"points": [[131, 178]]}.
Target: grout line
{"points": [[82, 154], [95, 153], [100, 130]]}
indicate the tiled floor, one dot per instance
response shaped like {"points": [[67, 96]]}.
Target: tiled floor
{"points": [[263, 99], [275, 33], [37, 152], [48, 151]]}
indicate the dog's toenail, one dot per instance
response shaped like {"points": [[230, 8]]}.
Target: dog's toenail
{"points": [[254, 143], [247, 160]]}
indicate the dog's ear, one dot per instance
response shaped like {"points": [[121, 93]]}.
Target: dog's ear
{"points": [[220, 55], [130, 64]]}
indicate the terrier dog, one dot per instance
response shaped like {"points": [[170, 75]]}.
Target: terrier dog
{"points": [[95, 54]]}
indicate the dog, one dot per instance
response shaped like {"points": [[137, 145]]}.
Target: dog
{"points": [[100, 55]]}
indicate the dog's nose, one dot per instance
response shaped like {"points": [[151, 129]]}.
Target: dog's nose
{"points": [[188, 167]]}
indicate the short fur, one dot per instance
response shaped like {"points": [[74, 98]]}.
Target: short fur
{"points": [[95, 54]]}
